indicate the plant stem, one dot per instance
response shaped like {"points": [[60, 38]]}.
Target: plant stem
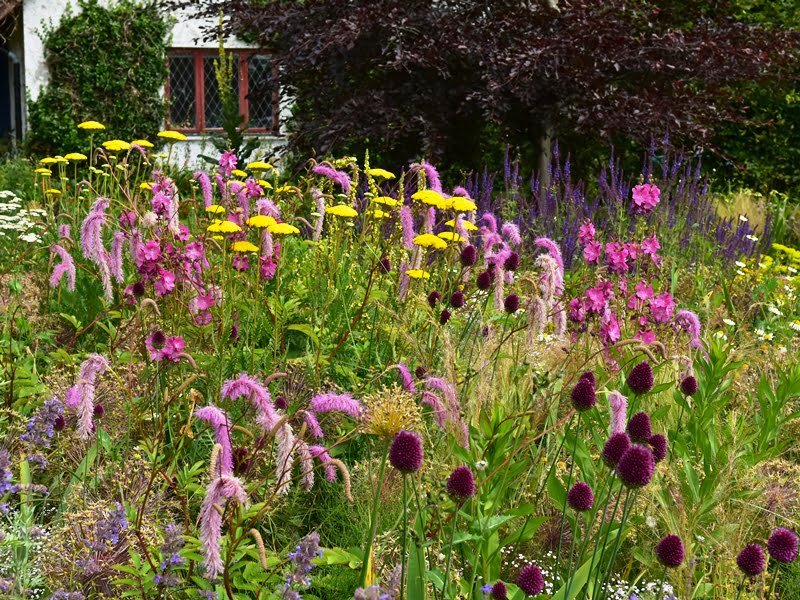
{"points": [[564, 505], [405, 539], [661, 587], [373, 519], [449, 556]]}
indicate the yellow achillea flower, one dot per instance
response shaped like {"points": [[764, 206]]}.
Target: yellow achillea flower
{"points": [[53, 192], [172, 136], [48, 161], [142, 144], [468, 225], [91, 126], [341, 210], [451, 236], [283, 189], [381, 173], [244, 246], [61, 159], [145, 185], [259, 165], [43, 171], [428, 197], [75, 156], [386, 201], [265, 184], [116, 145], [260, 221], [461, 204], [215, 209], [218, 226], [428, 240], [418, 274], [239, 173], [283, 229], [379, 214]]}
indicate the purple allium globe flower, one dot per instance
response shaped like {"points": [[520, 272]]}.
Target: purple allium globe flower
{"points": [[469, 255], [512, 262], [658, 444], [530, 580], [580, 496], [640, 379], [59, 423], [405, 453], [689, 385], [583, 395], [138, 289], [445, 316], [751, 560], [457, 300], [670, 551], [461, 484], [484, 280], [499, 591], [511, 304], [615, 447], [433, 298], [420, 372], [589, 376], [281, 402], [385, 264], [635, 467], [639, 427], [782, 545], [99, 410]]}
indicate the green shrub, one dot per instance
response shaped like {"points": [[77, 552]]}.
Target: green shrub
{"points": [[16, 174]]}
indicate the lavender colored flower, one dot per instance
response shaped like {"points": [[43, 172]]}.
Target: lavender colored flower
{"points": [[171, 546], [530, 580], [65, 595], [640, 379], [461, 484], [80, 397], [205, 187], [670, 551], [218, 492], [689, 385], [6, 478], [658, 443], [405, 453], [782, 545], [636, 466], [751, 560], [615, 447], [689, 322], [301, 558], [583, 395], [469, 255], [41, 426], [580, 496], [407, 224], [639, 428]]}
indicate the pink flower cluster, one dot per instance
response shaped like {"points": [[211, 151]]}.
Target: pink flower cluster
{"points": [[645, 197], [161, 347], [620, 257]]}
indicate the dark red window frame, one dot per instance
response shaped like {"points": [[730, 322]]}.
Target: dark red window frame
{"points": [[244, 55]]}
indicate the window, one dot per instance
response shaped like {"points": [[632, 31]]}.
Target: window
{"points": [[195, 105]]}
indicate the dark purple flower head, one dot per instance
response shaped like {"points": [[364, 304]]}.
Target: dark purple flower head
{"points": [[499, 591], [583, 395], [281, 402], [689, 385], [461, 484], [670, 551], [751, 560], [385, 264], [658, 443], [405, 453], [445, 316], [615, 447], [420, 372], [512, 262], [457, 300], [59, 423], [530, 580], [99, 410], [639, 427], [469, 255], [640, 379], [511, 303], [158, 339], [589, 376], [433, 298], [580, 496], [782, 545], [635, 467], [138, 289], [484, 280]]}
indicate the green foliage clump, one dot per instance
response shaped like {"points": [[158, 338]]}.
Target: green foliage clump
{"points": [[125, 44]]}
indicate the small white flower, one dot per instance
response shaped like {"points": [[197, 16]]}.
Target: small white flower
{"points": [[795, 325], [31, 238], [481, 465], [651, 521], [729, 323], [752, 238], [743, 219], [739, 263], [774, 310], [791, 270]]}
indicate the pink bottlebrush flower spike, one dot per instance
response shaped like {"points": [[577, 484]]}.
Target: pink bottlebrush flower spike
{"points": [[218, 419], [340, 178], [619, 411], [405, 376], [80, 396], [205, 187], [259, 396], [65, 267], [330, 401], [218, 492]]}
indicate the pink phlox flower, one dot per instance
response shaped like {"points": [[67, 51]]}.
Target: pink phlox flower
{"points": [[577, 312], [586, 233], [220, 423], [218, 492], [173, 348], [646, 197], [609, 328], [650, 247], [617, 257], [165, 283], [65, 267], [254, 190], [662, 307], [331, 401], [227, 163], [592, 251], [646, 336], [597, 297]]}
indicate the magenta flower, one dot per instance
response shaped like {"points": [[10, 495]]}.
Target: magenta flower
{"points": [[173, 348], [219, 421], [218, 492], [407, 223], [205, 187], [340, 178], [432, 175], [597, 298], [227, 163], [437, 407], [257, 394], [690, 323], [662, 307], [65, 267], [617, 257], [609, 328], [646, 197], [586, 233], [510, 231], [165, 283], [330, 401], [405, 376], [322, 455], [592, 252], [650, 247]]}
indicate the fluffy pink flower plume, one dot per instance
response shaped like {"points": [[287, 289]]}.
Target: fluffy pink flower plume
{"points": [[65, 267], [437, 406], [548, 277], [460, 228], [203, 179], [285, 440], [430, 220], [510, 231], [313, 424], [80, 397], [115, 258], [340, 178], [461, 191], [690, 323], [619, 411], [537, 316], [560, 321], [267, 207], [218, 419], [223, 188], [64, 231], [259, 396], [306, 466], [330, 401], [405, 376], [218, 492], [407, 223], [319, 206], [491, 221], [402, 285], [554, 251], [92, 243], [432, 176], [239, 190], [321, 454], [453, 406]]}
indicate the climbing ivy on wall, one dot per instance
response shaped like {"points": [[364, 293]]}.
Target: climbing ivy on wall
{"points": [[106, 64]]}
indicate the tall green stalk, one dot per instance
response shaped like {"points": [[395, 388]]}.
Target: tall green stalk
{"points": [[373, 518]]}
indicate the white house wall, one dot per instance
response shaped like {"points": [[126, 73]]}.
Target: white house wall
{"points": [[187, 32]]}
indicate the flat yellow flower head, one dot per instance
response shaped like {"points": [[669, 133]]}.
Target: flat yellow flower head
{"points": [[61, 159], [265, 184], [283, 229], [91, 126], [386, 201], [428, 240], [43, 171], [468, 225], [380, 173], [239, 173], [116, 145], [142, 144], [451, 236], [218, 226], [75, 156], [445, 204], [260, 221], [215, 209], [418, 274], [428, 197], [53, 192], [341, 210], [380, 214], [48, 161], [244, 246], [172, 136], [461, 204], [146, 185], [259, 165], [284, 189]]}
